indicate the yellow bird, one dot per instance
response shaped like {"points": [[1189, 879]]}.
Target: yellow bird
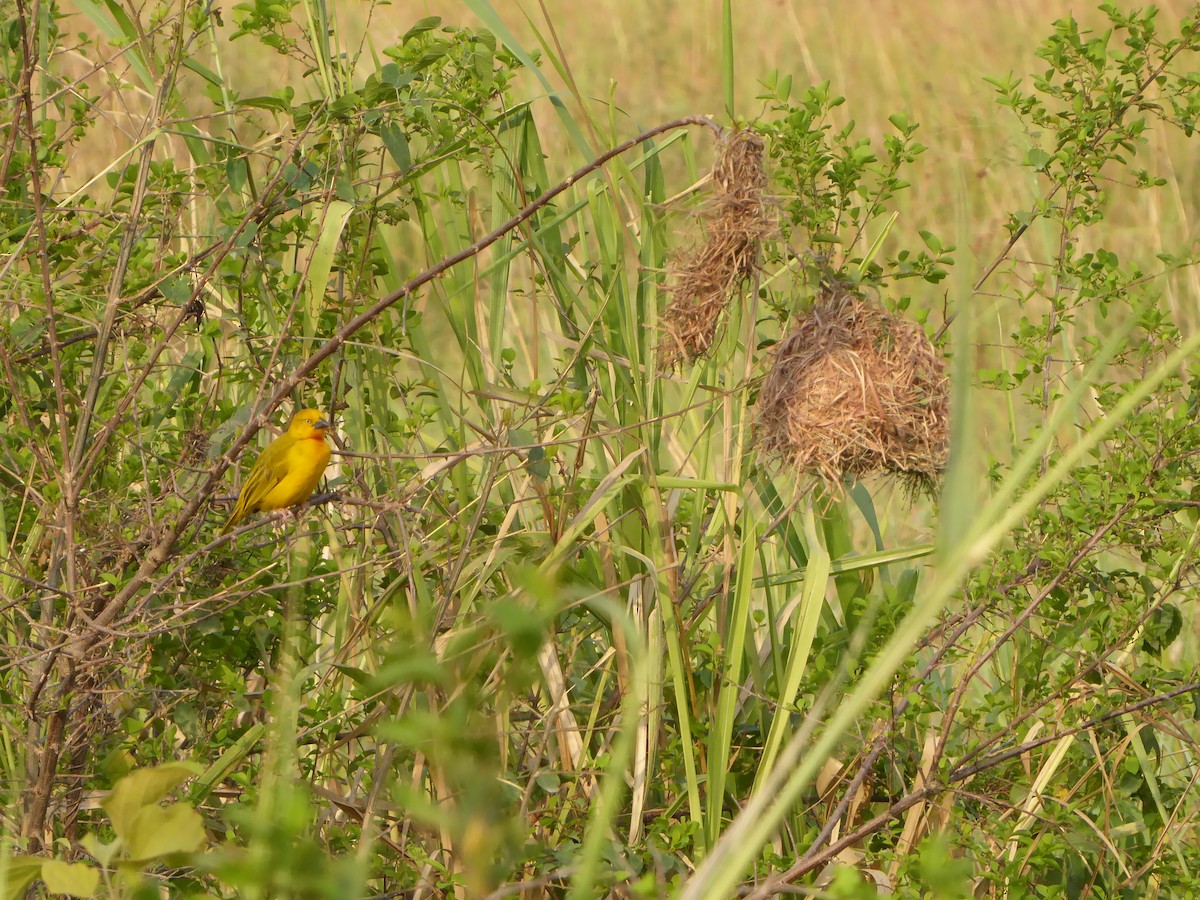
{"points": [[287, 472]]}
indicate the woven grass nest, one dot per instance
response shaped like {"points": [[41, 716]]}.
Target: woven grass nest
{"points": [[855, 391], [706, 279]]}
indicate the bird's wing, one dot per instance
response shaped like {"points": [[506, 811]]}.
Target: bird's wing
{"points": [[271, 468]]}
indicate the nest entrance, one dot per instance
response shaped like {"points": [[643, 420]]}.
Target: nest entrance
{"points": [[854, 391]]}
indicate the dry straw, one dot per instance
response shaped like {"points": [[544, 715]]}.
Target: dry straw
{"points": [[706, 279], [854, 391]]}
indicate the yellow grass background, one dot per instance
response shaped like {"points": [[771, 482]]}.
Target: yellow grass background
{"points": [[655, 60], [647, 62], [661, 59]]}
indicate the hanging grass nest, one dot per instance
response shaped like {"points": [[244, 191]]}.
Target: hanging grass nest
{"points": [[705, 280], [854, 391]]}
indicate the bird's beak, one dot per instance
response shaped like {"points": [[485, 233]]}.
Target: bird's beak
{"points": [[322, 423]]}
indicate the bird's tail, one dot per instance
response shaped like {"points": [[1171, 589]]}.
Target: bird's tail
{"points": [[237, 516]]}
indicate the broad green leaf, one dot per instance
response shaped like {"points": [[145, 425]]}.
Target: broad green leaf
{"points": [[72, 879], [161, 831], [141, 789], [396, 142], [103, 853], [17, 873]]}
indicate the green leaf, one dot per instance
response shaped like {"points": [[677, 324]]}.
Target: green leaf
{"points": [[72, 879], [1037, 159], [804, 629], [161, 831], [103, 853], [336, 214], [270, 103], [17, 873], [415, 668], [524, 628], [784, 89], [427, 24], [228, 760], [397, 146], [945, 874], [358, 676], [1163, 627], [141, 789], [204, 72], [538, 463], [114, 23], [931, 241], [521, 437]]}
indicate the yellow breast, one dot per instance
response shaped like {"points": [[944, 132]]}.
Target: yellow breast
{"points": [[305, 463]]}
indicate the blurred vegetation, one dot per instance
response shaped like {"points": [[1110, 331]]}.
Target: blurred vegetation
{"points": [[557, 627]]}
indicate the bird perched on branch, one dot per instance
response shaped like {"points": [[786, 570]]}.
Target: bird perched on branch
{"points": [[287, 472]]}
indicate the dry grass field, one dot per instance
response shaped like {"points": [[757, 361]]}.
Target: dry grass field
{"points": [[658, 60]]}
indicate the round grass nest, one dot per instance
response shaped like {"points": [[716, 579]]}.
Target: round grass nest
{"points": [[853, 391]]}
